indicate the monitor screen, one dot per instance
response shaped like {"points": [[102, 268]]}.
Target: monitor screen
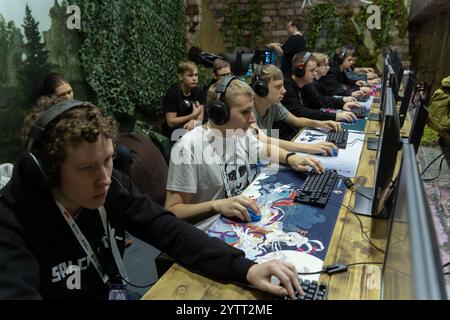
{"points": [[372, 201], [264, 57], [412, 266], [384, 84], [393, 80], [406, 100], [239, 62], [388, 147], [420, 117]]}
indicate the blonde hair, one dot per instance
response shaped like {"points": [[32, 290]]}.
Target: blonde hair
{"points": [[268, 73], [186, 66], [320, 58], [234, 89]]}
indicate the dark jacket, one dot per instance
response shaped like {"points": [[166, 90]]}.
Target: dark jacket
{"points": [[293, 101], [293, 45], [314, 99], [37, 245], [338, 80]]}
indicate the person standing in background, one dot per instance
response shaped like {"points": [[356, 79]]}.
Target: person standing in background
{"points": [[294, 44]]}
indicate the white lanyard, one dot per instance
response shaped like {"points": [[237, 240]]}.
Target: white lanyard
{"points": [[87, 247]]}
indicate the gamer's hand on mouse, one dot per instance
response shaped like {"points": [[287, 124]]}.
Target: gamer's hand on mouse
{"points": [[346, 116], [300, 163], [365, 90], [330, 125], [322, 148], [357, 93], [349, 99], [236, 207], [348, 105], [260, 275]]}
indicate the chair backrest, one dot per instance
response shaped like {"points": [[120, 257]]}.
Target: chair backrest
{"points": [[148, 167]]}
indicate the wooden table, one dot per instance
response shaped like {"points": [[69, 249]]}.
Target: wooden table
{"points": [[348, 245]]}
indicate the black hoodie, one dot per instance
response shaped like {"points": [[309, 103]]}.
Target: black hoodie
{"points": [[338, 80], [293, 101], [313, 98], [37, 245]]}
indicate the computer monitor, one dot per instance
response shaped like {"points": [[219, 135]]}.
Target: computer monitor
{"points": [[406, 99], [384, 84], [265, 56], [393, 82], [239, 62], [396, 64], [388, 78], [371, 201], [412, 267], [419, 116]]}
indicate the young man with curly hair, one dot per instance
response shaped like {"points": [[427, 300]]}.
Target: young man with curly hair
{"points": [[65, 209]]}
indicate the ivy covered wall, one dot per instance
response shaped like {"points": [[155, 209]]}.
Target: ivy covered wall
{"points": [[123, 59], [130, 52]]}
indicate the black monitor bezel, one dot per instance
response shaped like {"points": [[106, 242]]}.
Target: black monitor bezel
{"points": [[426, 269]]}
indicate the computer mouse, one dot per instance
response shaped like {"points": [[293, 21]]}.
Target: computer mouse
{"points": [[253, 216], [332, 153]]}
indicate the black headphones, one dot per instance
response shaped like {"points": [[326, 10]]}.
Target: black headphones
{"points": [[301, 69], [259, 85], [37, 131], [340, 57], [218, 110]]}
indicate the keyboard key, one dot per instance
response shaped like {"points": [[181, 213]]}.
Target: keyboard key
{"points": [[338, 138], [317, 189]]}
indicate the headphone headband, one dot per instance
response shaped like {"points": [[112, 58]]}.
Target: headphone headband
{"points": [[306, 57], [222, 87], [345, 51], [38, 129]]}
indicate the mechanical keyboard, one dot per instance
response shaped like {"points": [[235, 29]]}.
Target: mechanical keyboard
{"points": [[313, 290], [317, 188], [358, 112], [362, 98], [338, 138]]}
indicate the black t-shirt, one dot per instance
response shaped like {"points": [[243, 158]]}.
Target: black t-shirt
{"points": [[176, 101], [294, 44]]}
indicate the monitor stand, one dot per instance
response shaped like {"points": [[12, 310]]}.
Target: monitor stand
{"points": [[372, 143], [374, 117], [364, 203]]}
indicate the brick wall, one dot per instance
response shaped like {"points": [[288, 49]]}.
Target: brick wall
{"points": [[275, 16]]}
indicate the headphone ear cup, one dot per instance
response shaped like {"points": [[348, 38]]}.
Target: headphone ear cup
{"points": [[260, 88], [35, 168], [300, 71], [218, 112]]}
